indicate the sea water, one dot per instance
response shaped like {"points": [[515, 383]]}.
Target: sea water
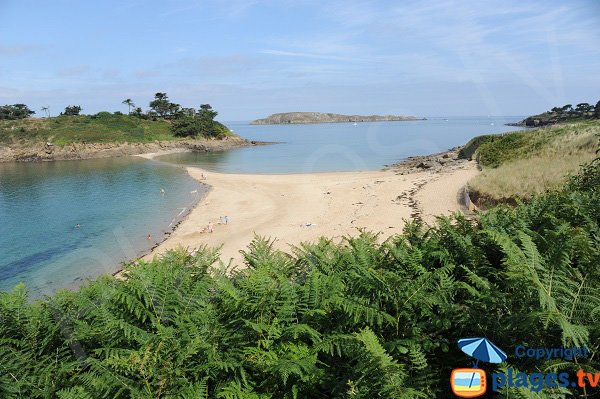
{"points": [[116, 202], [329, 147]]}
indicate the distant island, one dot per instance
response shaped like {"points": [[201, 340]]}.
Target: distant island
{"points": [[320, 117]]}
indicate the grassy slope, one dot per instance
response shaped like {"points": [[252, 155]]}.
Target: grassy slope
{"points": [[100, 128], [525, 163]]}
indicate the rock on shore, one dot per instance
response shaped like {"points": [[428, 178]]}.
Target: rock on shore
{"points": [[451, 159], [319, 117], [27, 151]]}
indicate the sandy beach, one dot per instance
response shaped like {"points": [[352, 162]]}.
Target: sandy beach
{"points": [[295, 208]]}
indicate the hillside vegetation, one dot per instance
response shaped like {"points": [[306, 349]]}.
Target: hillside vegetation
{"points": [[566, 113], [525, 163], [163, 121], [103, 127], [354, 320]]}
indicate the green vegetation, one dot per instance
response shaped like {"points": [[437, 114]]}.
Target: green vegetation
{"points": [[563, 114], [164, 121], [525, 163], [72, 110], [15, 112], [199, 123], [354, 320], [103, 127]]}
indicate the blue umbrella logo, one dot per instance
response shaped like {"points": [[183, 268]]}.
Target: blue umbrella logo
{"points": [[482, 349]]}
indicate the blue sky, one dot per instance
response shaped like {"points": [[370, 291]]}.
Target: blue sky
{"points": [[251, 58]]}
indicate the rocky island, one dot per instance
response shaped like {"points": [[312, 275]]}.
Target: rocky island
{"points": [[319, 117]]}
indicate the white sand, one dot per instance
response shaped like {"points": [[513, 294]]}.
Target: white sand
{"points": [[335, 204]]}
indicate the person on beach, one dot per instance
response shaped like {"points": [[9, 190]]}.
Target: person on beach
{"points": [[226, 219], [149, 237], [162, 192], [210, 227], [77, 226], [203, 176]]}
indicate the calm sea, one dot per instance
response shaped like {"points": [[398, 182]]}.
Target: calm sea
{"points": [[332, 147], [117, 202]]}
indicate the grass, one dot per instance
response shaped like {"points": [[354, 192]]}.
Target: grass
{"points": [[103, 127], [525, 163]]}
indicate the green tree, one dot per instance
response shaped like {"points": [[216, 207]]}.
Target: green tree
{"points": [[163, 107], [129, 104], [46, 110], [138, 112], [567, 108], [206, 112], [196, 124], [582, 109], [15, 111], [597, 110], [72, 110]]}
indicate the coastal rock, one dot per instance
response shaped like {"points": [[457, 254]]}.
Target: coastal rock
{"points": [[447, 160], [319, 117], [26, 151]]}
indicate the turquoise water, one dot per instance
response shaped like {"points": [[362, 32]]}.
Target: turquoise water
{"points": [[341, 146], [117, 203]]}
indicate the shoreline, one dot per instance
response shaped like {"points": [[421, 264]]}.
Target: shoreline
{"points": [[48, 152], [175, 223], [295, 208]]}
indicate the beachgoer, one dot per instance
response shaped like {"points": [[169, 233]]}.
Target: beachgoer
{"points": [[210, 227], [226, 219], [203, 176], [162, 191], [77, 226], [149, 237]]}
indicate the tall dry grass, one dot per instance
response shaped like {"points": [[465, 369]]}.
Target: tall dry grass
{"points": [[545, 169]]}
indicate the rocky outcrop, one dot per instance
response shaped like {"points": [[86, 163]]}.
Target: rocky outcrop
{"points": [[319, 117], [26, 151], [447, 160]]}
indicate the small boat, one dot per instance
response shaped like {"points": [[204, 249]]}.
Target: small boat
{"points": [[354, 124]]}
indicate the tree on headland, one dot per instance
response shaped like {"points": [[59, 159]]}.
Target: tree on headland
{"points": [[137, 111], [583, 108], [15, 111], [200, 123], [563, 114], [207, 113], [129, 104], [46, 110], [162, 107], [567, 108], [72, 110]]}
